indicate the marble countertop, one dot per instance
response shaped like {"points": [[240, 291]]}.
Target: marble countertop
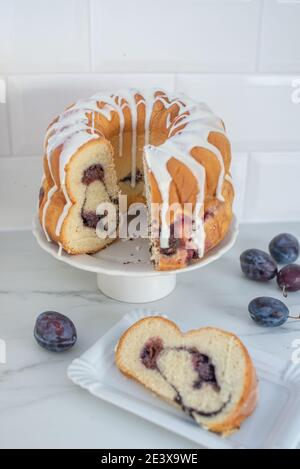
{"points": [[40, 407]]}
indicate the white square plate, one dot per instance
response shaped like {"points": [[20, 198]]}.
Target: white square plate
{"points": [[274, 424]]}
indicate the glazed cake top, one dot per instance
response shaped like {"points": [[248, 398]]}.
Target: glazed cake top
{"points": [[189, 129]]}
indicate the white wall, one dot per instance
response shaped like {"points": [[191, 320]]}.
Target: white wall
{"points": [[241, 56]]}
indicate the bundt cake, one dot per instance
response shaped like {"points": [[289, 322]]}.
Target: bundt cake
{"points": [[160, 149], [207, 372]]}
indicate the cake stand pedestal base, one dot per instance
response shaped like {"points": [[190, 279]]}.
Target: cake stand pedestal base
{"points": [[142, 289]]}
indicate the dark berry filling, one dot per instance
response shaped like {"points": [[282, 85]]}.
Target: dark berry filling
{"points": [[91, 219], [192, 254], [182, 226], [95, 172], [138, 177], [205, 369], [171, 249], [41, 194], [208, 214], [150, 352], [201, 364], [174, 243]]}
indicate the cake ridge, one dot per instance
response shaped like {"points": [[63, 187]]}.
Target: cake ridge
{"points": [[188, 126]]}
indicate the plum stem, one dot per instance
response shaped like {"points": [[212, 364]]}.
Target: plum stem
{"points": [[294, 317], [284, 292]]}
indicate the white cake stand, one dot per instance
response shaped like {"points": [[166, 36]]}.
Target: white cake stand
{"points": [[124, 271]]}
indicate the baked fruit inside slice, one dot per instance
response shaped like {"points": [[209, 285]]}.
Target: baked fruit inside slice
{"points": [[207, 372]]}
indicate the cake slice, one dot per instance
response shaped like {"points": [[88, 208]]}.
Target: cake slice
{"points": [[207, 372], [90, 182]]}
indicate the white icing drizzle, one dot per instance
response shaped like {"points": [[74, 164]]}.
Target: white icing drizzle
{"points": [[133, 106], [59, 252], [71, 142], [180, 145], [71, 145], [93, 122], [189, 129], [229, 179], [121, 127], [64, 213]]}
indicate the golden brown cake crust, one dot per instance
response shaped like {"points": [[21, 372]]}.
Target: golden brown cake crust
{"points": [[217, 214], [58, 200], [249, 397]]}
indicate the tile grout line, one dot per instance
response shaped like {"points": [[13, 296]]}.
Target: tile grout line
{"points": [[175, 82], [247, 184], [8, 117], [90, 28], [121, 73], [259, 38]]}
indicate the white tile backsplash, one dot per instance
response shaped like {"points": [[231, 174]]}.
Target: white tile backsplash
{"points": [[2, 90], [171, 35], [19, 192], [240, 56], [35, 100], [258, 111], [53, 36], [239, 167], [273, 188], [44, 36], [280, 37], [4, 131]]}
